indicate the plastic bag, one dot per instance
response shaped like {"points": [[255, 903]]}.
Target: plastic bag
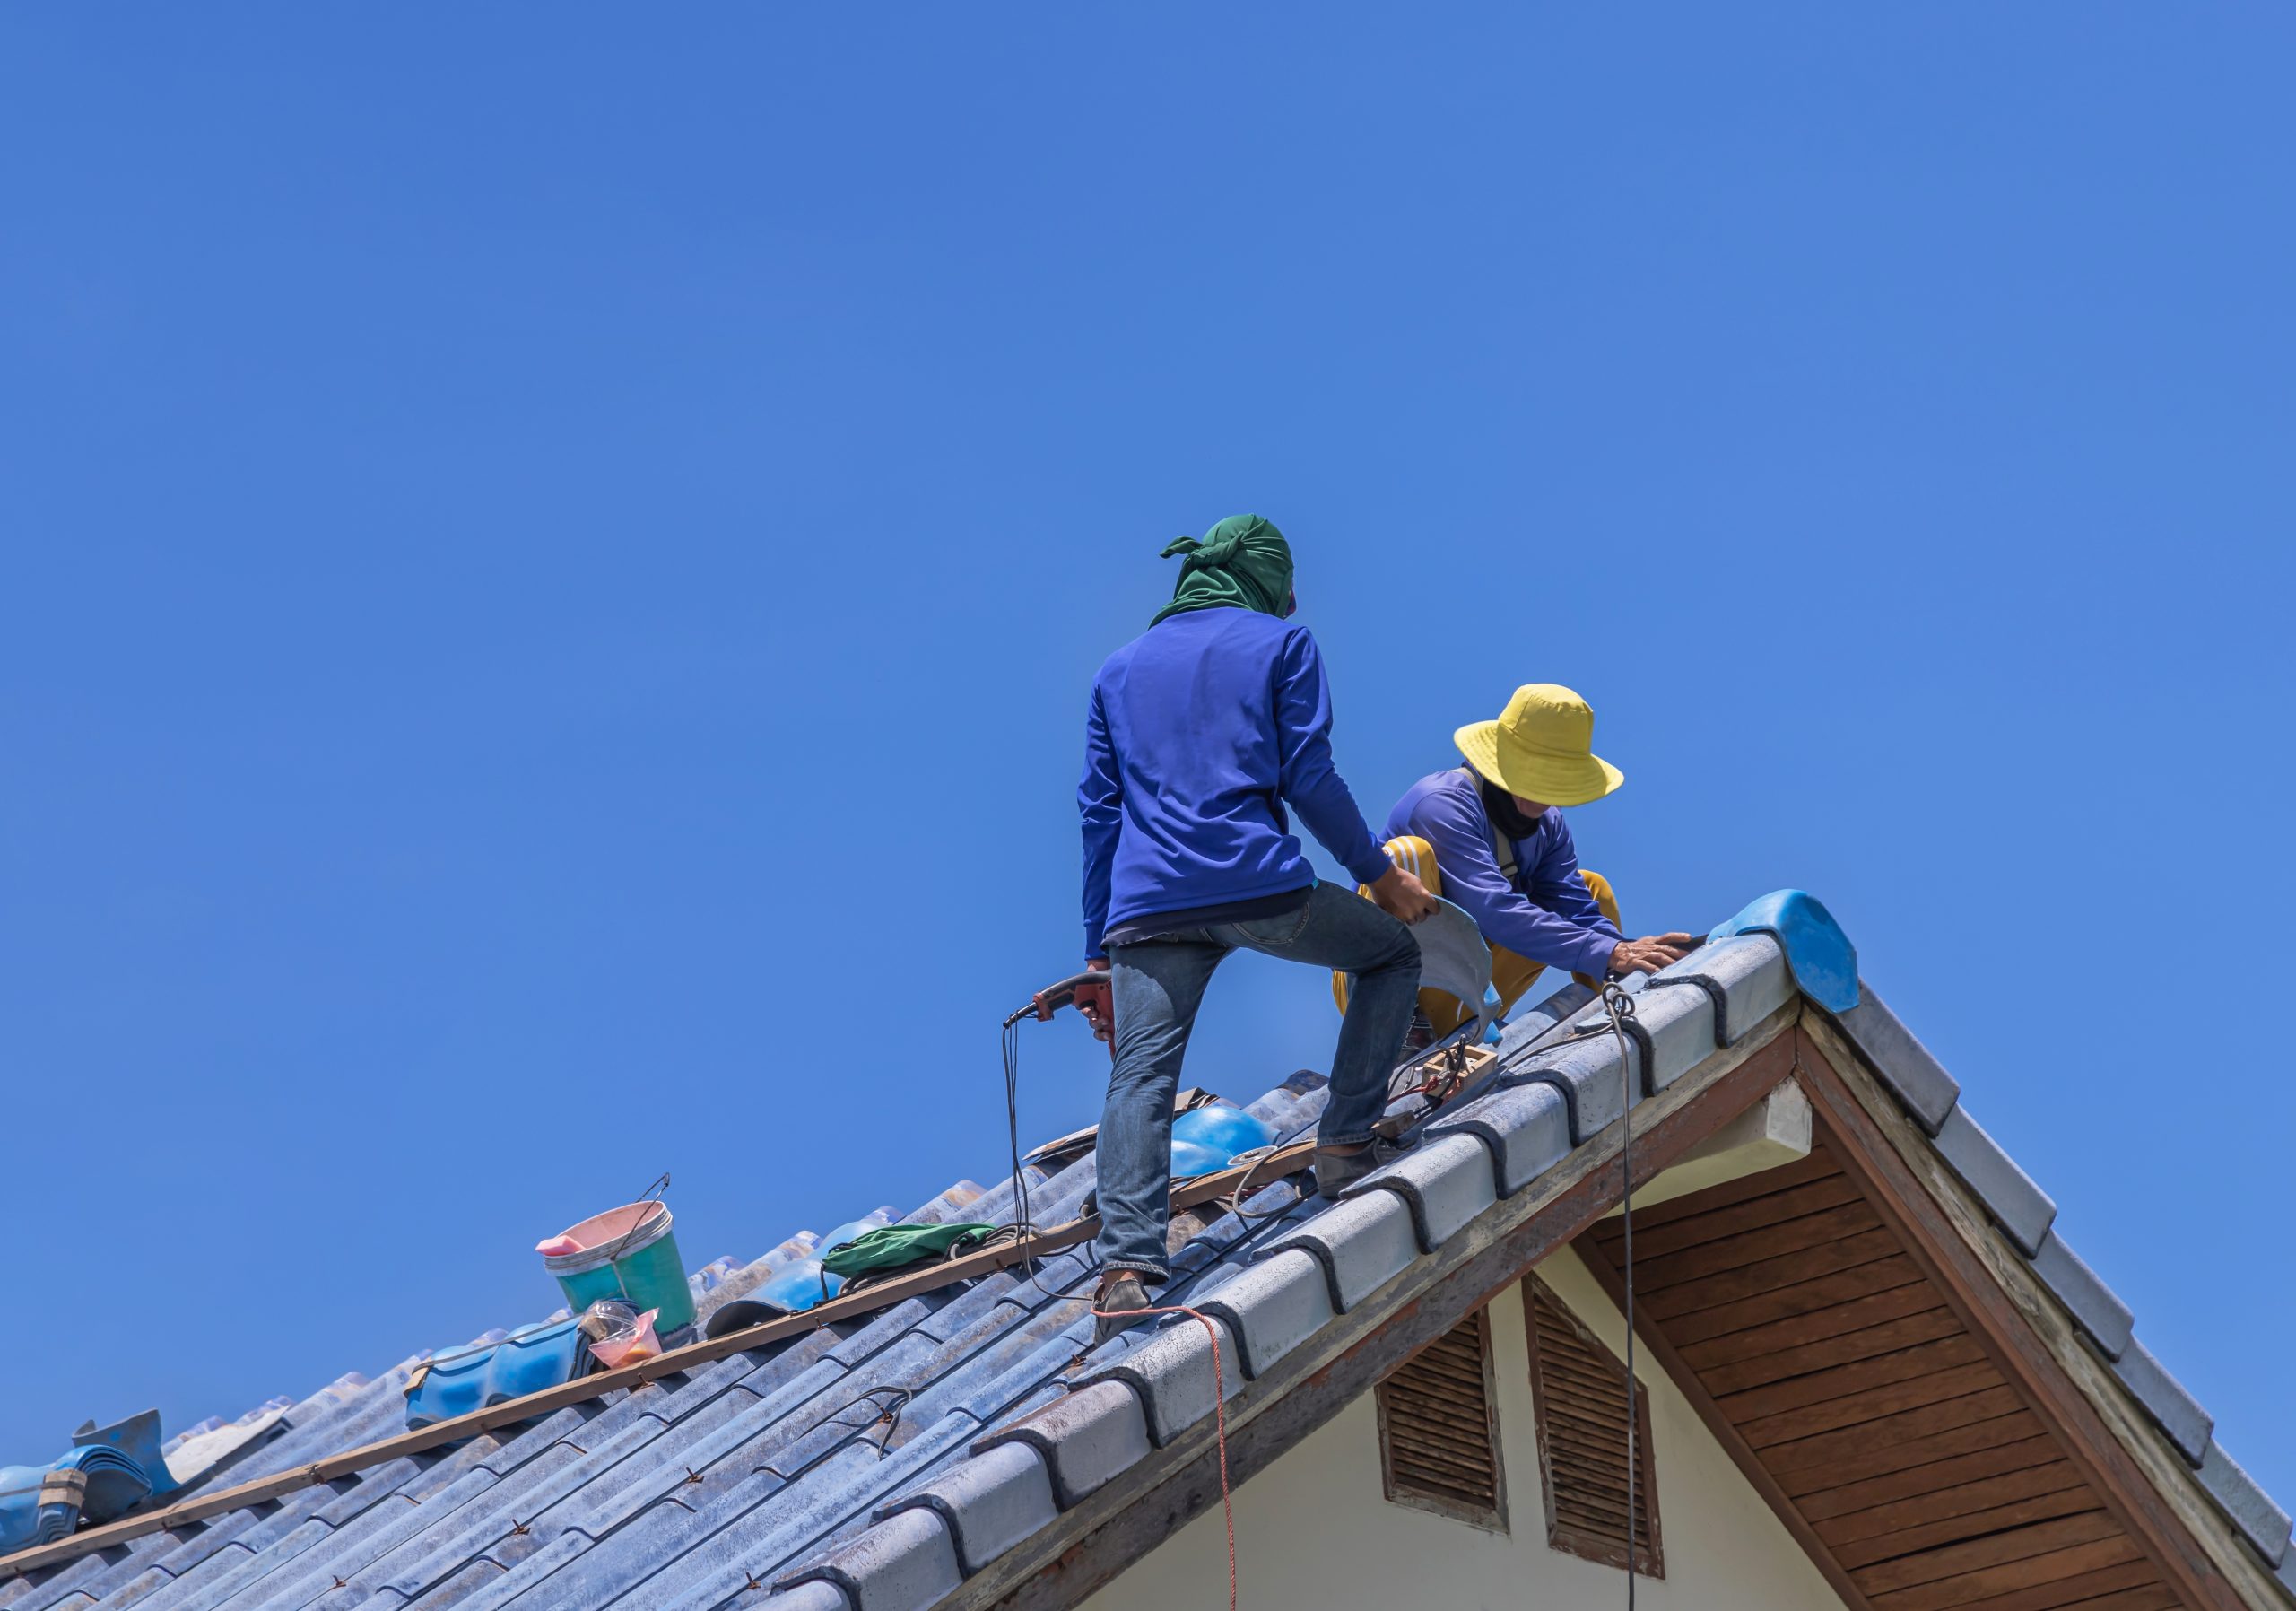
{"points": [[619, 1332]]}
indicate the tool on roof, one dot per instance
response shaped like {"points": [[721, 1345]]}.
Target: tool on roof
{"points": [[1089, 989]]}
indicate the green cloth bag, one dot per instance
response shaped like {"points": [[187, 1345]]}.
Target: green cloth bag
{"points": [[897, 1247]]}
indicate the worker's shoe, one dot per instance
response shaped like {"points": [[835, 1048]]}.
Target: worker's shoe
{"points": [[1339, 1168], [1119, 1293], [1419, 1037]]}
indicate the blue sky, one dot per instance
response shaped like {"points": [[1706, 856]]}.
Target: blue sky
{"points": [[554, 568]]}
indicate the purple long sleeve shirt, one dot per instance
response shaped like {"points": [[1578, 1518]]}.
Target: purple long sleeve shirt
{"points": [[1200, 730], [1545, 914]]}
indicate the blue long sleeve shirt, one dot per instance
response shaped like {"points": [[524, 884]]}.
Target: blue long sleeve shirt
{"points": [[1201, 729], [1546, 913]]}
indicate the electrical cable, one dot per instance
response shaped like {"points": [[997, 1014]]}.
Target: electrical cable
{"points": [[1022, 1225], [1022, 1215], [1219, 1410], [1620, 1006], [889, 1417]]}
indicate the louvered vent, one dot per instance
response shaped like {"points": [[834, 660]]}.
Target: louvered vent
{"points": [[1439, 1429], [1579, 1388]]}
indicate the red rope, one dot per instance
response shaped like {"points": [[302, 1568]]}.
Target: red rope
{"points": [[1219, 1410]]}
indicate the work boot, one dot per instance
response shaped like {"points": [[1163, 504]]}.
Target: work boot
{"points": [[1118, 1292], [1339, 1168], [1419, 1037]]}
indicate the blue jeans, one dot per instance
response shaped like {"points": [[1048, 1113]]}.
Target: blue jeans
{"points": [[1158, 986]]}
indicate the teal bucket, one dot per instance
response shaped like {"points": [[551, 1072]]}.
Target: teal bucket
{"points": [[626, 1252]]}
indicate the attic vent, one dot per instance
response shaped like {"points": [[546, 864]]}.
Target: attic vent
{"points": [[1579, 1389], [1439, 1429]]}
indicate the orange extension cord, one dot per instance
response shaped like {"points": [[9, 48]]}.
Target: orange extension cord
{"points": [[1219, 1410]]}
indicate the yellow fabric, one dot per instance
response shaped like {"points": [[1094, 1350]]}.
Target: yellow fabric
{"points": [[1511, 974], [1541, 748]]}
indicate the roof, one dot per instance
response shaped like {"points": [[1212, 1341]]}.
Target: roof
{"points": [[791, 1476]]}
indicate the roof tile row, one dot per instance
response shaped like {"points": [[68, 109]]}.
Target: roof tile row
{"points": [[875, 1464]]}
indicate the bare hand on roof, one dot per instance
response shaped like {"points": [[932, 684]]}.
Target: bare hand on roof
{"points": [[1650, 954], [1401, 895], [1097, 1002]]}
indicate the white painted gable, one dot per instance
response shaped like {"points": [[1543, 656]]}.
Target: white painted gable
{"points": [[1315, 1533]]}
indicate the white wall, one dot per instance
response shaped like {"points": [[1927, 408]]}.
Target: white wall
{"points": [[1313, 1532]]}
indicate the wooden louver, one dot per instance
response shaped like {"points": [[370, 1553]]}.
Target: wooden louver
{"points": [[1579, 1389], [1439, 1429]]}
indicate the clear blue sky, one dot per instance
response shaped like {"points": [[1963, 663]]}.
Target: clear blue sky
{"points": [[553, 564]]}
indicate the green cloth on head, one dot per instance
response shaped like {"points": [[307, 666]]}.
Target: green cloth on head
{"points": [[1242, 563]]}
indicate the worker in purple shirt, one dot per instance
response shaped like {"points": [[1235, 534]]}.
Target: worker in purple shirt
{"points": [[1489, 837], [1201, 730]]}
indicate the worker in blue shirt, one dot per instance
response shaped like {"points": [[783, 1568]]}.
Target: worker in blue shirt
{"points": [[1201, 730], [1489, 837]]}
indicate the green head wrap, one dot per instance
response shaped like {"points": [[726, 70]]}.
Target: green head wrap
{"points": [[1241, 564]]}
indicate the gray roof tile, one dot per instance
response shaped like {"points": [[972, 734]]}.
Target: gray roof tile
{"points": [[2261, 1522], [1273, 1306], [1173, 1370], [1445, 1182], [773, 1466], [2022, 1210], [1087, 1439], [2163, 1398], [1362, 1243], [1748, 971], [2089, 1302], [903, 1564], [1680, 1024], [991, 1502], [1587, 1072], [1915, 1078], [1524, 1122]]}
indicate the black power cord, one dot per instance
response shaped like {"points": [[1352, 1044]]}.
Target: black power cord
{"points": [[1620, 1006]]}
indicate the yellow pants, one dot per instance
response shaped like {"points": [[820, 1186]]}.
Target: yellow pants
{"points": [[1510, 974]]}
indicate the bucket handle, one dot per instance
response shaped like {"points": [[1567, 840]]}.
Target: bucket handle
{"points": [[652, 1194]]}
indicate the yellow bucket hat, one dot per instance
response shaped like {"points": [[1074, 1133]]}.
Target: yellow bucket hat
{"points": [[1541, 748]]}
